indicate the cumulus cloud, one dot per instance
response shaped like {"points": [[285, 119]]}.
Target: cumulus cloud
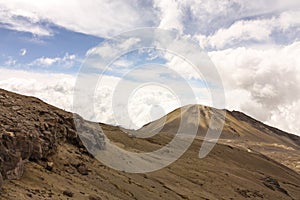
{"points": [[21, 20], [10, 61], [55, 89], [66, 61], [91, 17], [206, 17], [238, 32], [247, 30], [268, 76], [146, 104], [170, 14], [44, 61]]}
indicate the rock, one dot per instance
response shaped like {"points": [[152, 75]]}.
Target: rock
{"points": [[68, 193], [16, 172], [37, 151], [94, 197], [82, 169], [250, 194], [16, 108], [32, 130], [49, 166], [274, 185]]}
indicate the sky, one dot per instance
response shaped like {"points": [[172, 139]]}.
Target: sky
{"points": [[254, 45]]}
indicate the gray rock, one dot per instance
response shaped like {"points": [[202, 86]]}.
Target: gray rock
{"points": [[32, 130], [68, 193], [16, 172], [94, 197], [82, 169]]}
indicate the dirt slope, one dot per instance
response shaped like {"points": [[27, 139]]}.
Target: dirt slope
{"points": [[230, 171]]}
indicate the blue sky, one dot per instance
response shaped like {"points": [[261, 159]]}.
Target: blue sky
{"points": [[59, 44], [255, 46]]}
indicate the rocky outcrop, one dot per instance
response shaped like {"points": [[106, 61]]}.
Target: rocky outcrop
{"points": [[32, 130]]}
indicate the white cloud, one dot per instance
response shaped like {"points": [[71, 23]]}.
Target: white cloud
{"points": [[101, 18], [44, 61], [55, 89], [240, 31], [110, 49], [10, 61], [150, 103], [183, 67], [170, 14], [289, 19], [124, 63], [66, 61], [21, 20], [99, 57], [266, 80], [141, 105], [248, 30], [218, 23], [206, 17]]}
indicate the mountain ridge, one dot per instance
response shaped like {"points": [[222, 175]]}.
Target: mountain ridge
{"points": [[239, 167]]}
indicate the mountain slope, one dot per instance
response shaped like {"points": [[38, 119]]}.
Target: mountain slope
{"points": [[239, 130], [64, 170]]}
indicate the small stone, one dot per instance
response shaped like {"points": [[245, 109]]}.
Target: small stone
{"points": [[68, 193], [49, 166], [94, 197], [16, 108], [82, 169]]}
